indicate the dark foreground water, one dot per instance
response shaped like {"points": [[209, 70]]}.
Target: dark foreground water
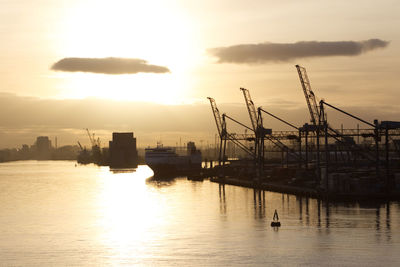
{"points": [[59, 214]]}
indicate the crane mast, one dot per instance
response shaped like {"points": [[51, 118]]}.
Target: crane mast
{"points": [[258, 144], [80, 146], [318, 116], [309, 94], [221, 130], [92, 142], [223, 134], [217, 117], [251, 108]]}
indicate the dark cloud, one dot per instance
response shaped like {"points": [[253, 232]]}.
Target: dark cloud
{"points": [[109, 65], [281, 52]]}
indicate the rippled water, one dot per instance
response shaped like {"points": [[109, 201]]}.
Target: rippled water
{"points": [[57, 214]]}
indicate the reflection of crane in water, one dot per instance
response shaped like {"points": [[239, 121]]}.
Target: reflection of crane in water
{"points": [[259, 203], [222, 200]]}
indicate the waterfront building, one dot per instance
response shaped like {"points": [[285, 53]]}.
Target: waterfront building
{"points": [[122, 151]]}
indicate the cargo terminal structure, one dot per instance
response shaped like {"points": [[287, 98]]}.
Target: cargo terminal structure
{"points": [[314, 157]]}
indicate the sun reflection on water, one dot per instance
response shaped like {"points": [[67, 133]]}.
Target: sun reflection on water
{"points": [[128, 211]]}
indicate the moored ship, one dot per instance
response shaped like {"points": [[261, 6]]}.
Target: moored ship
{"points": [[166, 161]]}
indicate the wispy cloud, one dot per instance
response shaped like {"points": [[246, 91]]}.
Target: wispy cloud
{"points": [[109, 65], [283, 52]]}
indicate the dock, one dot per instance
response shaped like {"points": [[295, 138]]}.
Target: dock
{"points": [[315, 159]]}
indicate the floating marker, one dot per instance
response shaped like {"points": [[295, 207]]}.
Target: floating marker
{"points": [[275, 221]]}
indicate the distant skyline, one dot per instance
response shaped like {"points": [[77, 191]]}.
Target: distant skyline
{"points": [[176, 53]]}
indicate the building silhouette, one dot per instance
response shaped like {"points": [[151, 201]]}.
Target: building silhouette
{"points": [[43, 148], [122, 151]]}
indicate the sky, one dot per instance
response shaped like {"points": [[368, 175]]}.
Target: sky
{"points": [[149, 66]]}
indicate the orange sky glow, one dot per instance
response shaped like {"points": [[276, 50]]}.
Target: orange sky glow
{"points": [[180, 36]]}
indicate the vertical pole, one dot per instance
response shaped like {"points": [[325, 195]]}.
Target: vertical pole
{"points": [[325, 123], [261, 151], [387, 156], [318, 160], [287, 157], [215, 146], [336, 157], [300, 157], [377, 149], [326, 155], [223, 155], [306, 144], [220, 152]]}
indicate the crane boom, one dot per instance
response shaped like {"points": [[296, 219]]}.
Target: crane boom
{"points": [[80, 146], [251, 108], [217, 116], [309, 94], [92, 142], [315, 115]]}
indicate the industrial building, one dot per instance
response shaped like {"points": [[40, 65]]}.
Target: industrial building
{"points": [[122, 151], [43, 147]]}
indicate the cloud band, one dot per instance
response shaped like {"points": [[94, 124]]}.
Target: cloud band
{"points": [[109, 65], [283, 52]]}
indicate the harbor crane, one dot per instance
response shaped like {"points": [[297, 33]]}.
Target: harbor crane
{"points": [[96, 150], [221, 127], [93, 141], [319, 122], [220, 122], [256, 123], [261, 132], [80, 146], [309, 95]]}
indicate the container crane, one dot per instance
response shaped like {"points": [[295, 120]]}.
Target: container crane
{"points": [[220, 122], [251, 109], [256, 123], [259, 130], [96, 150], [93, 140], [80, 146], [309, 95], [318, 117], [221, 128]]}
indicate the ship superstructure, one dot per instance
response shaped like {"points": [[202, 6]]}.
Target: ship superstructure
{"points": [[165, 160]]}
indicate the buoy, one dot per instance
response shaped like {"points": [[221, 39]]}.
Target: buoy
{"points": [[275, 221], [275, 224]]}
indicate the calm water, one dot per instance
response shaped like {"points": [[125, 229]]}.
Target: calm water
{"points": [[57, 214]]}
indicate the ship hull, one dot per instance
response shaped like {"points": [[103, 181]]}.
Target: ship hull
{"points": [[170, 169], [170, 164]]}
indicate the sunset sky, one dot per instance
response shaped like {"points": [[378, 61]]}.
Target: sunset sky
{"points": [[148, 66]]}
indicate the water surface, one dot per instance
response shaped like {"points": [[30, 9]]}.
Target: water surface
{"points": [[54, 213]]}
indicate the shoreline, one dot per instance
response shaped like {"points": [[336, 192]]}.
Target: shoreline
{"points": [[304, 191]]}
